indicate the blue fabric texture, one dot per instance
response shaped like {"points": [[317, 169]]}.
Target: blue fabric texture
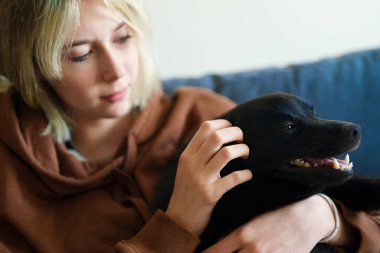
{"points": [[343, 88]]}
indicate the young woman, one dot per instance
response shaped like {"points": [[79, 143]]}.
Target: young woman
{"points": [[86, 136]]}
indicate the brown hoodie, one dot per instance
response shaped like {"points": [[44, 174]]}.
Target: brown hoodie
{"points": [[51, 202]]}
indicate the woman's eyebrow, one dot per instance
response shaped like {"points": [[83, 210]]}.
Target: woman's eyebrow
{"points": [[79, 42], [82, 42], [119, 26]]}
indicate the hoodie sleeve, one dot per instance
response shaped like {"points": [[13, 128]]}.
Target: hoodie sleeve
{"points": [[160, 234], [367, 225]]}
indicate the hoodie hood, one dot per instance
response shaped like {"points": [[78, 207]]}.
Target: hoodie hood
{"points": [[21, 134]]}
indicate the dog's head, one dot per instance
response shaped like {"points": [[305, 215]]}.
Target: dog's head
{"points": [[288, 140]]}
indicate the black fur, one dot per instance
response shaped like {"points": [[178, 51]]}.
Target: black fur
{"points": [[278, 128]]}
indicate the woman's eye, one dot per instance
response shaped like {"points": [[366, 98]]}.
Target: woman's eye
{"points": [[123, 39], [80, 58]]}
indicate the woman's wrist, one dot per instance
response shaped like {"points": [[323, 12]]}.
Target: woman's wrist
{"points": [[335, 212], [339, 233], [321, 218]]}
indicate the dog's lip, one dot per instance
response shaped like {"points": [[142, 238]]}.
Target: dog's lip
{"points": [[331, 162]]}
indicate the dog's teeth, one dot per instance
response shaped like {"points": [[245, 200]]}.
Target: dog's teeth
{"points": [[335, 164], [301, 163], [347, 167], [347, 159]]}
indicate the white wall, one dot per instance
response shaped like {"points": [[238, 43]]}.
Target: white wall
{"points": [[196, 37]]}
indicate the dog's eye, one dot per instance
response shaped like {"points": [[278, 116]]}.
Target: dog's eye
{"points": [[291, 125]]}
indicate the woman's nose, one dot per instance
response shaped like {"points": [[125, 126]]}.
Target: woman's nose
{"points": [[113, 68]]}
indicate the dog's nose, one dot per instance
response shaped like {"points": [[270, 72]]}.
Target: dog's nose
{"points": [[353, 131]]}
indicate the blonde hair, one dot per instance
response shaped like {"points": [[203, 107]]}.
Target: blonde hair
{"points": [[32, 36]]}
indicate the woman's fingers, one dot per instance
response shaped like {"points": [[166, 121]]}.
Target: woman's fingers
{"points": [[215, 141], [210, 146], [233, 179], [204, 131], [225, 155]]}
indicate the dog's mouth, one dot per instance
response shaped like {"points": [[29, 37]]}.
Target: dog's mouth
{"points": [[332, 162]]}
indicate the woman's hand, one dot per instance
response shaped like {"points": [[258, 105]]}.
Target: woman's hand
{"points": [[295, 228], [198, 185]]}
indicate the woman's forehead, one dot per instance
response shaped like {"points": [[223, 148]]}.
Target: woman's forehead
{"points": [[97, 18]]}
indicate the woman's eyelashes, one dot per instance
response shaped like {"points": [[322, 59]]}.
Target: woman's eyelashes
{"points": [[123, 39], [84, 57], [81, 58]]}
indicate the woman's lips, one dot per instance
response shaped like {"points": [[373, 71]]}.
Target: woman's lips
{"points": [[117, 96]]}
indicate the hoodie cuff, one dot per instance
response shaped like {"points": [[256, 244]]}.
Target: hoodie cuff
{"points": [[160, 234]]}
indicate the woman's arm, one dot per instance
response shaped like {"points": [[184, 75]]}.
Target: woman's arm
{"points": [[294, 228]]}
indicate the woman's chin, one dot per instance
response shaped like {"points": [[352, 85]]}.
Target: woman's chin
{"points": [[119, 111]]}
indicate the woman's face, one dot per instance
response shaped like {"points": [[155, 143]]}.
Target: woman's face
{"points": [[100, 66]]}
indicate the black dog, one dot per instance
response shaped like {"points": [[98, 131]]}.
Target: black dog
{"points": [[291, 156]]}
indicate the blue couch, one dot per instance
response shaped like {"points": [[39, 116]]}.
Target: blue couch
{"points": [[344, 88]]}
